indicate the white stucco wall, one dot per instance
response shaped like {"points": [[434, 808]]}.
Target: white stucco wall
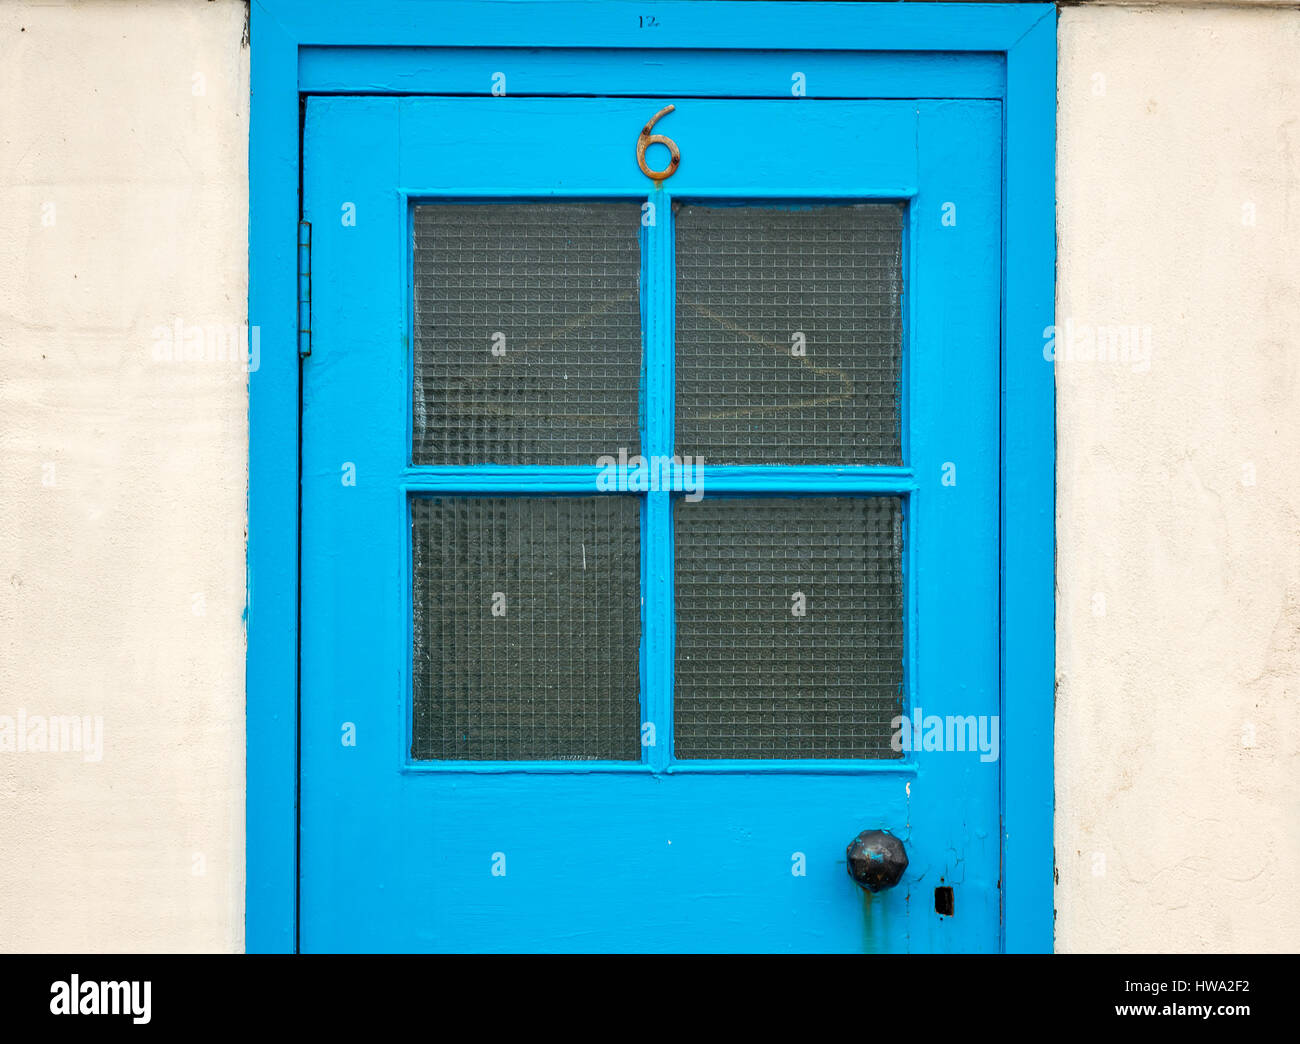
{"points": [[123, 181], [1178, 507], [123, 129]]}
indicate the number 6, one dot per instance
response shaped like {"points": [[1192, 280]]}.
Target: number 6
{"points": [[647, 139]]}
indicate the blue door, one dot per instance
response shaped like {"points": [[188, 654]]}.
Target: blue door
{"points": [[650, 526]]}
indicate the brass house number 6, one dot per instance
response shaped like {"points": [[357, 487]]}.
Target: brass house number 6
{"points": [[647, 139]]}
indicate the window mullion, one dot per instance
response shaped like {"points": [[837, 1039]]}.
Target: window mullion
{"points": [[657, 574]]}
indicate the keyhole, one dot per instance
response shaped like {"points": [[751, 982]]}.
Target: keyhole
{"points": [[943, 901]]}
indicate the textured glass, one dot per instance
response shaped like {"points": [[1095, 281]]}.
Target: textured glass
{"points": [[789, 334], [527, 332], [527, 627], [789, 627]]}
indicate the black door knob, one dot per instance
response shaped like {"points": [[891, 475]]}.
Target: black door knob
{"points": [[876, 860]]}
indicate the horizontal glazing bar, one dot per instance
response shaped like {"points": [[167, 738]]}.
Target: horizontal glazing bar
{"points": [[500, 478], [623, 474]]}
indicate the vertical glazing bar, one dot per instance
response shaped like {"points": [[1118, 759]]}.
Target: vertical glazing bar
{"points": [[657, 292]]}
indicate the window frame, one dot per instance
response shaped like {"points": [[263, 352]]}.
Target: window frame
{"points": [[874, 50], [658, 303]]}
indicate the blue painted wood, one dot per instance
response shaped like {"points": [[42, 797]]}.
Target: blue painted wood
{"points": [[1022, 35], [658, 296], [875, 156], [271, 723], [1028, 490], [648, 73], [805, 766], [680, 25], [658, 854], [486, 478]]}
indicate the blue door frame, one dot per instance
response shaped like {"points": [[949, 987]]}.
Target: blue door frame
{"points": [[843, 50]]}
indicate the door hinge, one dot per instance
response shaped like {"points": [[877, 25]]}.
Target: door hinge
{"points": [[304, 289]]}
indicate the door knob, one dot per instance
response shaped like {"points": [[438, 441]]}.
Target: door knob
{"points": [[876, 860]]}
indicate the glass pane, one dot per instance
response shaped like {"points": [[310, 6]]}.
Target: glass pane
{"points": [[527, 332], [789, 627], [527, 627], [789, 334]]}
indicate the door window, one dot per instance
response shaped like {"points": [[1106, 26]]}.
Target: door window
{"points": [[528, 354]]}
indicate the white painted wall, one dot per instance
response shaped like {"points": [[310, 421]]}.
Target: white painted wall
{"points": [[123, 189], [1178, 506], [122, 566]]}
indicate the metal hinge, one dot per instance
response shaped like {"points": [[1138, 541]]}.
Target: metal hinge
{"points": [[304, 289]]}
